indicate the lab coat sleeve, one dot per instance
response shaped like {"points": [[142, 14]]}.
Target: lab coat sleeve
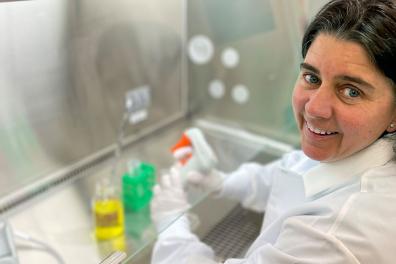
{"points": [[177, 244], [298, 242], [251, 183]]}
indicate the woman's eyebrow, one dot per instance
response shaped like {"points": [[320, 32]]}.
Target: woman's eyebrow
{"points": [[354, 79], [309, 67]]}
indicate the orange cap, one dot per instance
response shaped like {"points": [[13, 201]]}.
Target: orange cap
{"points": [[184, 141]]}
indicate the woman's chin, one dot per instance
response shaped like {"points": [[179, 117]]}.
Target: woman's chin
{"points": [[316, 154]]}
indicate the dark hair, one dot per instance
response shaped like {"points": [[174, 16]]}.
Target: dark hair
{"points": [[370, 23]]}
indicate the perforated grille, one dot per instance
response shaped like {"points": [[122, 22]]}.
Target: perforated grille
{"points": [[232, 236]]}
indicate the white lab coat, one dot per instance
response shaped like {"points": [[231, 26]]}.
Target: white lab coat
{"points": [[341, 212]]}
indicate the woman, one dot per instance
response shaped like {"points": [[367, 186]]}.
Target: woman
{"points": [[333, 201]]}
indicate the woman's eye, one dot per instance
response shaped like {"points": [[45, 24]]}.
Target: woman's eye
{"points": [[351, 92], [311, 79]]}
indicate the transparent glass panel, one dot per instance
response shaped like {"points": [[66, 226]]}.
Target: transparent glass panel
{"points": [[66, 66], [257, 77]]}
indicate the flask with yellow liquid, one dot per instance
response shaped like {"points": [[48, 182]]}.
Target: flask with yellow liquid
{"points": [[107, 211]]}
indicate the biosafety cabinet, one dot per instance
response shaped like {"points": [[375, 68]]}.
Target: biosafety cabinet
{"points": [[89, 87]]}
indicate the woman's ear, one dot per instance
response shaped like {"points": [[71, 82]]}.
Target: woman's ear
{"points": [[392, 126]]}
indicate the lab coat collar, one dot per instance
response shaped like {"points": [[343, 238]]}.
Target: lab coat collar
{"points": [[329, 175]]}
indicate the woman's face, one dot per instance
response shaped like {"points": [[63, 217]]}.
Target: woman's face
{"points": [[341, 102]]}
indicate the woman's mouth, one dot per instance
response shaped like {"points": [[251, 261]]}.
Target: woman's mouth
{"points": [[319, 131]]}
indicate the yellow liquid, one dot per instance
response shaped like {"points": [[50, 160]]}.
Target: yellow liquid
{"points": [[109, 218]]}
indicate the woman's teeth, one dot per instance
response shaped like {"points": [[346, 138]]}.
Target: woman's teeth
{"points": [[319, 131]]}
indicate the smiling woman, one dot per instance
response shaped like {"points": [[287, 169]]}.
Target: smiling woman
{"points": [[333, 201], [342, 101], [346, 84]]}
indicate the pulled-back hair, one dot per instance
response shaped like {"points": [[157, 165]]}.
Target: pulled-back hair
{"points": [[370, 23]]}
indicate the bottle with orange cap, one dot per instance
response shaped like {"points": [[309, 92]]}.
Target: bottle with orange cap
{"points": [[193, 154]]}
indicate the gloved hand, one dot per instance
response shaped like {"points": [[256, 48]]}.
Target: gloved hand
{"points": [[211, 181], [169, 200], [196, 160], [193, 152]]}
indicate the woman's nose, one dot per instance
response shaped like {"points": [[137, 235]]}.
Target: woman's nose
{"points": [[320, 103]]}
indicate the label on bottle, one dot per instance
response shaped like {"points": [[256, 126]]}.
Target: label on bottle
{"points": [[107, 219]]}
